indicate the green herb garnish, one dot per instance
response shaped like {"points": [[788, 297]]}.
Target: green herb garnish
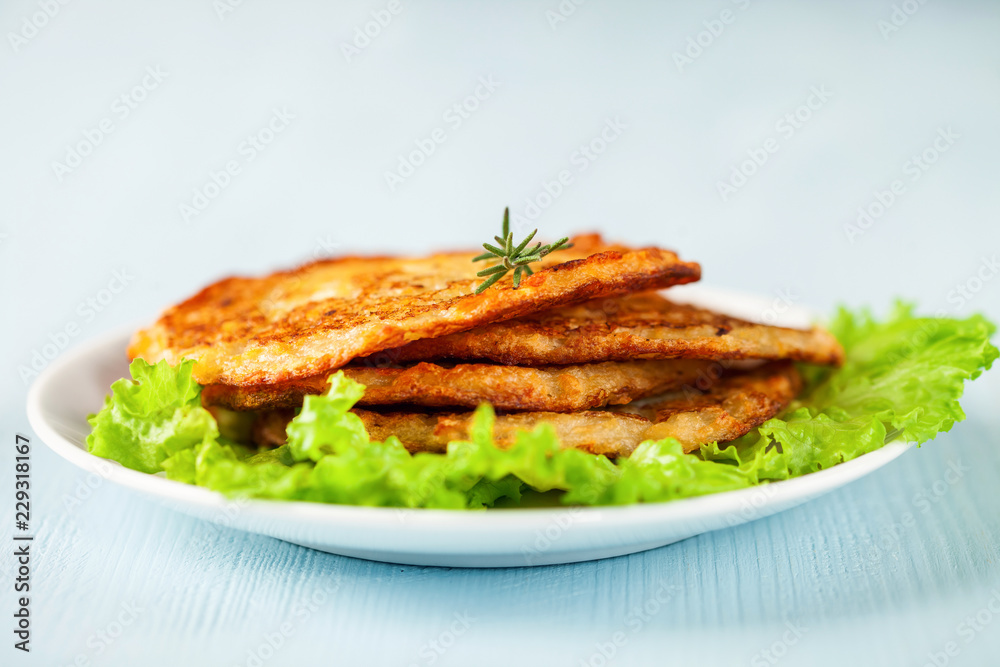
{"points": [[513, 257]]}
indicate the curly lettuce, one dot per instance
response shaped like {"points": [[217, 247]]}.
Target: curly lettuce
{"points": [[151, 417], [903, 378]]}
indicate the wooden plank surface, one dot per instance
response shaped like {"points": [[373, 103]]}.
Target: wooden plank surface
{"points": [[843, 580], [844, 571]]}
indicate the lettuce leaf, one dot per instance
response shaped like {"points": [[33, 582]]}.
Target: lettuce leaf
{"points": [[151, 417], [902, 378]]}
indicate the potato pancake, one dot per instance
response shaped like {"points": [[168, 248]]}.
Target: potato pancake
{"points": [[314, 319], [733, 406], [552, 388], [638, 326]]}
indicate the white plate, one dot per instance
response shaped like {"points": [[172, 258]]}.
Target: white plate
{"points": [[76, 383]]}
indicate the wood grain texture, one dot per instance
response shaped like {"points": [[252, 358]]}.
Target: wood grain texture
{"points": [[845, 566], [863, 588]]}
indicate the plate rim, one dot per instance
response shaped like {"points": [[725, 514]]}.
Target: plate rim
{"points": [[803, 487]]}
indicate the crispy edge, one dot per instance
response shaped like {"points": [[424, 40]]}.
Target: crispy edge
{"points": [[735, 405], [553, 388], [292, 354], [548, 338], [287, 394]]}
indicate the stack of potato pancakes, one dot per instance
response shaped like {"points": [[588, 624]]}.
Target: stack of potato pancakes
{"points": [[586, 344]]}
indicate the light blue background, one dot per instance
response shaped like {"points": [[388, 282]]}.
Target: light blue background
{"points": [[860, 585]]}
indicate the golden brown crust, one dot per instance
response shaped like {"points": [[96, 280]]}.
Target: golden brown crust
{"points": [[552, 388], [287, 394], [311, 320], [638, 326], [732, 407]]}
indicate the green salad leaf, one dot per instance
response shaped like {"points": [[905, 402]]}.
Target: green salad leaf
{"points": [[902, 378], [154, 415]]}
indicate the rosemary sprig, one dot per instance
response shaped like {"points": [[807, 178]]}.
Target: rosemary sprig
{"points": [[511, 257]]}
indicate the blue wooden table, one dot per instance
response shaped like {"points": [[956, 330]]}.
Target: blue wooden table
{"points": [[149, 150]]}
